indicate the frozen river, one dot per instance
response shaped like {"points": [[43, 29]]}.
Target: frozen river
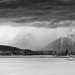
{"points": [[36, 66]]}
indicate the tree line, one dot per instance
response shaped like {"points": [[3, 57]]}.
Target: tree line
{"points": [[9, 51], [29, 52]]}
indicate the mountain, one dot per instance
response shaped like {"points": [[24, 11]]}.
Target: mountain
{"points": [[61, 43], [24, 41]]}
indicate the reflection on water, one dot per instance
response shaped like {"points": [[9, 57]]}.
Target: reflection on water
{"points": [[36, 66]]}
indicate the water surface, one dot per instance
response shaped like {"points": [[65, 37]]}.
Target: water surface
{"points": [[36, 66]]}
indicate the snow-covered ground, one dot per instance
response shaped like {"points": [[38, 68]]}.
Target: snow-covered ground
{"points": [[36, 66]]}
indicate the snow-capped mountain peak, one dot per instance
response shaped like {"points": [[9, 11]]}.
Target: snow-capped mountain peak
{"points": [[71, 34]]}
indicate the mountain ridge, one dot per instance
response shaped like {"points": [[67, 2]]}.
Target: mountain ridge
{"points": [[61, 43]]}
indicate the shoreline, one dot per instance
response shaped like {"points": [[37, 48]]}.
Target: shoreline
{"points": [[35, 56]]}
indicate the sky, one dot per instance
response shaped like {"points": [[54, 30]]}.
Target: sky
{"points": [[35, 24]]}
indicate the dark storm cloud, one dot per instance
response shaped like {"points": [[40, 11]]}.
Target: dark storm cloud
{"points": [[47, 24], [64, 23], [39, 13], [32, 3], [40, 8], [53, 24]]}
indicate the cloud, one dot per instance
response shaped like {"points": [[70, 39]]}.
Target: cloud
{"points": [[39, 24], [39, 1], [49, 24], [64, 23], [42, 24], [33, 3]]}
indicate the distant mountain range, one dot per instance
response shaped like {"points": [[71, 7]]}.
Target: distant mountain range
{"points": [[23, 41], [61, 43]]}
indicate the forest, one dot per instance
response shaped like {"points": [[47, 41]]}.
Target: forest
{"points": [[10, 51]]}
